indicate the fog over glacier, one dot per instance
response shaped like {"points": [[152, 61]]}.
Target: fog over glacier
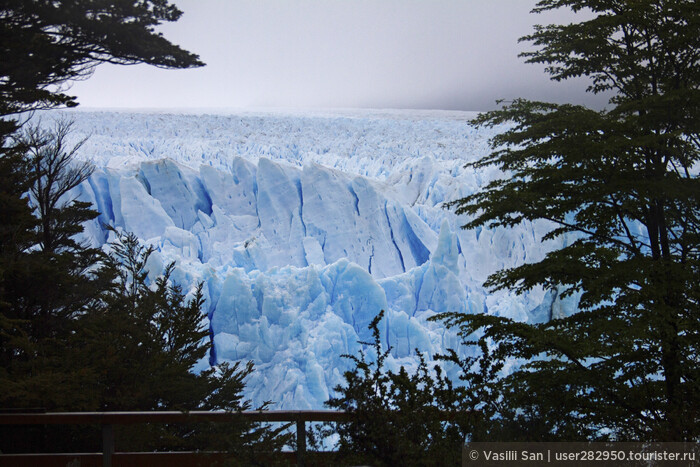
{"points": [[303, 226]]}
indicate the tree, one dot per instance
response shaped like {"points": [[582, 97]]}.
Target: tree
{"points": [[43, 46], [622, 185], [46, 44], [134, 347], [80, 329], [56, 172], [399, 418], [16, 235], [44, 270], [140, 344], [45, 282]]}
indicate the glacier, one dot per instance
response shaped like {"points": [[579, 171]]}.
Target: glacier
{"points": [[302, 226]]}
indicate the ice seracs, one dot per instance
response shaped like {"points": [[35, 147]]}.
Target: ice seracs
{"points": [[303, 227]]}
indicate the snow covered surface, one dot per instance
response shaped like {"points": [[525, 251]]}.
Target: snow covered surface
{"points": [[304, 226]]}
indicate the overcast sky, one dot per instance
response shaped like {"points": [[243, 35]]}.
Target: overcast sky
{"points": [[421, 54]]}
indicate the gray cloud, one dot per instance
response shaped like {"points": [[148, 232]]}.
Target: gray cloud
{"points": [[444, 54]]}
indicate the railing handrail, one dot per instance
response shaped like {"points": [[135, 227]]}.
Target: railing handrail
{"points": [[109, 419]]}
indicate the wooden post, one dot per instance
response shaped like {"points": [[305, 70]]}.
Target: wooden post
{"points": [[107, 445], [301, 442]]}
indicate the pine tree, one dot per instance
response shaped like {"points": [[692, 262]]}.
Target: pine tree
{"points": [[622, 185]]}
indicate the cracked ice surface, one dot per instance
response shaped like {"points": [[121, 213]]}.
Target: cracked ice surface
{"points": [[304, 226]]}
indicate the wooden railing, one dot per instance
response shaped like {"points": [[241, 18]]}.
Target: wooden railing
{"points": [[109, 419]]}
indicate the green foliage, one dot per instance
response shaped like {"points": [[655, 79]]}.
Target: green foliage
{"points": [[45, 287], [145, 338], [16, 235], [399, 418], [141, 343], [44, 44], [622, 186]]}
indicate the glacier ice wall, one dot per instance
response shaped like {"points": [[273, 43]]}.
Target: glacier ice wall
{"points": [[304, 226]]}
